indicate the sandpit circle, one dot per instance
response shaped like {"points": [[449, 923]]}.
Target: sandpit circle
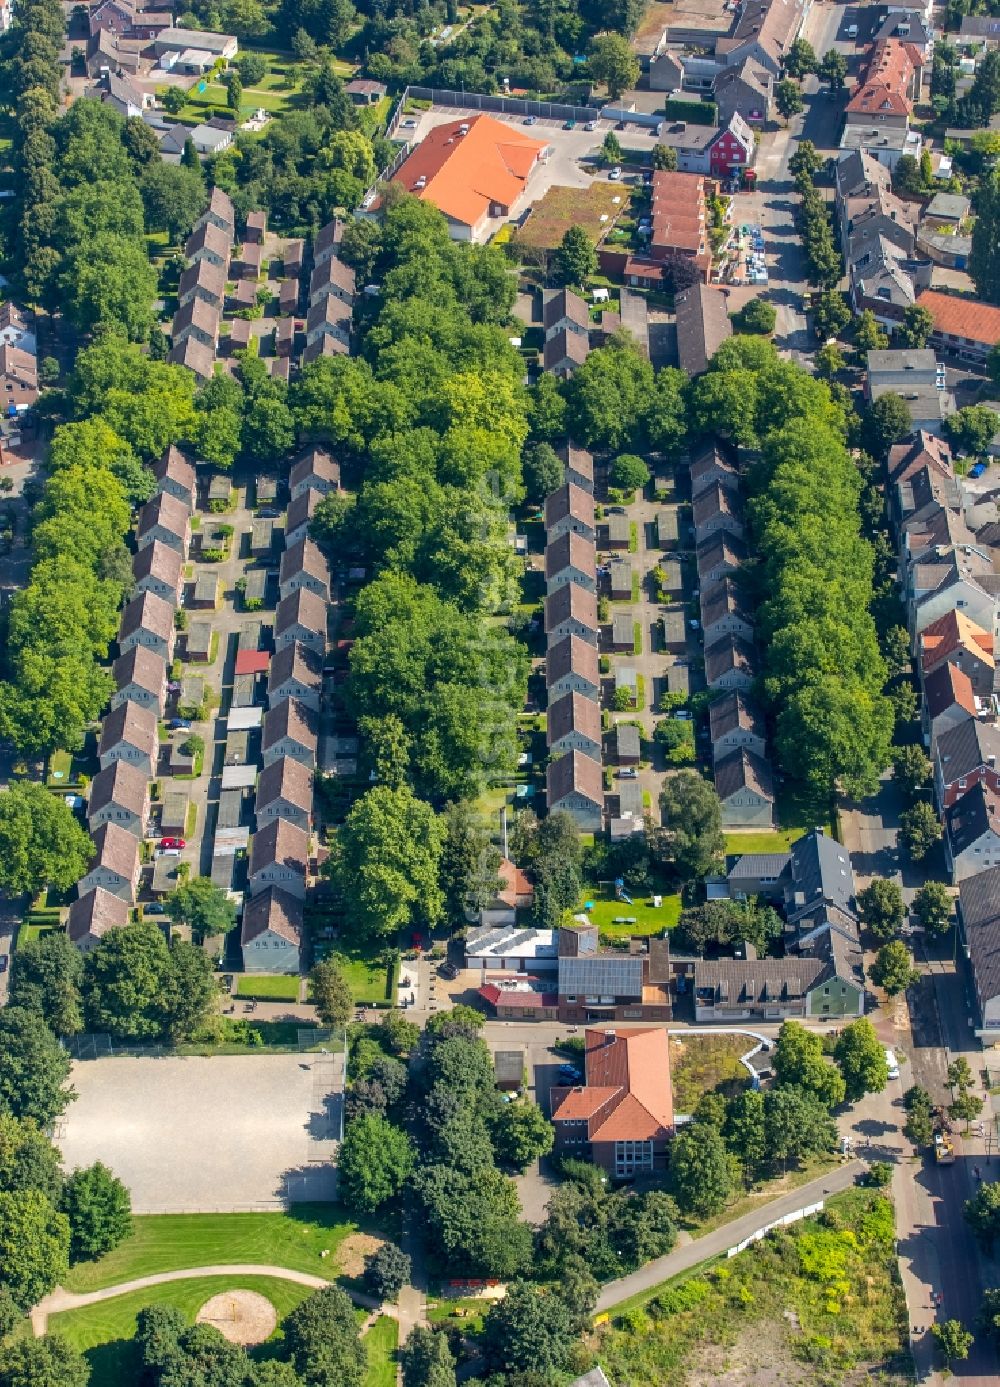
{"points": [[242, 1317]]}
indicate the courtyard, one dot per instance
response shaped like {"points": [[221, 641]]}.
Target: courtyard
{"points": [[223, 1134]]}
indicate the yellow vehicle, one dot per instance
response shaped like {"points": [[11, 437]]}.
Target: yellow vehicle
{"points": [[944, 1151]]}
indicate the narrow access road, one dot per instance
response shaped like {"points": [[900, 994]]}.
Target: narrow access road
{"points": [[721, 1239]]}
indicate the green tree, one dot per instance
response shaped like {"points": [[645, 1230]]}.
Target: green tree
{"points": [[470, 863], [613, 63], [99, 1210], [126, 980], [191, 991], [911, 770], [984, 260], [473, 1218], [41, 841], [982, 1214], [28, 1161], [527, 1331], [665, 158], [971, 429], [611, 396], [521, 1133], [33, 1068], [799, 1061], [893, 968], [692, 825], [881, 908], [575, 257], [46, 1362], [386, 860], [628, 472], [830, 360], [919, 1127], [744, 1131], [918, 324], [427, 1359], [202, 905], [34, 1245], [251, 67], [331, 994], [787, 99], [800, 59], [173, 100], [45, 978], [868, 334], [321, 1336], [543, 472], [701, 1175], [952, 1339], [806, 161], [932, 907], [92, 444], [757, 316], [861, 1058], [797, 1124], [887, 420], [172, 198], [832, 68], [919, 830], [960, 1073], [966, 1107], [387, 1271], [234, 91], [831, 313], [611, 148], [375, 1160]]}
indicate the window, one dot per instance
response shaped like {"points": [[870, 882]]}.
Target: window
{"points": [[631, 1157], [571, 996]]}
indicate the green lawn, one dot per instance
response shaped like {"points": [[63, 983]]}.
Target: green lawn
{"points": [[370, 981], [269, 987], [779, 841], [103, 1331], [381, 1342], [648, 918], [170, 1242]]}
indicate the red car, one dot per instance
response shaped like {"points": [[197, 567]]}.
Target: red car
{"points": [[172, 843]]}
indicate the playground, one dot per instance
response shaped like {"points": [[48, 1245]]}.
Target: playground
{"points": [[620, 913]]}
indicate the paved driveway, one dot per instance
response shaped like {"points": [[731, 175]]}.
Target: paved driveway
{"points": [[209, 1135]]}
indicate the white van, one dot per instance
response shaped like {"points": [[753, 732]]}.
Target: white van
{"points": [[892, 1063], [851, 31]]}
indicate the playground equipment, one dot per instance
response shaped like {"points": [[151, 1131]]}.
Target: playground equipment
{"points": [[620, 893]]}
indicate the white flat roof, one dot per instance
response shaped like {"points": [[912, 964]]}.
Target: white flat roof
{"points": [[239, 777], [242, 719]]}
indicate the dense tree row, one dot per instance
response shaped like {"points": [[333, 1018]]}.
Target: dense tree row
{"points": [[823, 670], [133, 985]]}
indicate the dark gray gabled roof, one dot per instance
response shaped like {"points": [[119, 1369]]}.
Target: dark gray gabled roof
{"points": [[601, 975], [970, 818], [966, 748], [821, 871], [755, 866], [979, 902]]}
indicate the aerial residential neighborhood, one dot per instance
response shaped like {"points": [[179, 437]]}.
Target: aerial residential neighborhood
{"points": [[499, 724]]}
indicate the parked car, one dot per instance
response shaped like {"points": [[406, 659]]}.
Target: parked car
{"points": [[591, 124], [173, 843], [615, 174], [4, 961], [448, 970], [570, 125], [179, 724], [977, 470], [531, 120], [629, 773], [569, 1074]]}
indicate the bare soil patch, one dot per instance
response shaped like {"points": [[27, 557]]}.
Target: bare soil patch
{"points": [[242, 1317], [355, 1251]]}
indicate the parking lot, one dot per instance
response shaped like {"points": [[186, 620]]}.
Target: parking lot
{"points": [[226, 1134]]}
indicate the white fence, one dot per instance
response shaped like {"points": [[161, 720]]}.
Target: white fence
{"points": [[793, 1217]]}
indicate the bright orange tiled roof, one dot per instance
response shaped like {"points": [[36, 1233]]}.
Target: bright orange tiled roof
{"points": [[959, 317], [464, 174], [950, 631]]}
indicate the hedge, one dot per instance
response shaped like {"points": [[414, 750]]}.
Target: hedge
{"points": [[697, 112]]}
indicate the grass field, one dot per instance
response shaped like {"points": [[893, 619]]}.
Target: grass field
{"points": [[381, 1342], [102, 1332], [779, 841], [649, 919], [269, 987], [171, 1242], [370, 981], [819, 1302]]}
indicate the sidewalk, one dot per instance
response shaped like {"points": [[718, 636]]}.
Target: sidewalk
{"points": [[721, 1239]]}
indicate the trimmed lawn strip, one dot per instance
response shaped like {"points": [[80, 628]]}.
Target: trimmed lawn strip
{"points": [[268, 987], [372, 983], [171, 1242], [778, 841], [381, 1343]]}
